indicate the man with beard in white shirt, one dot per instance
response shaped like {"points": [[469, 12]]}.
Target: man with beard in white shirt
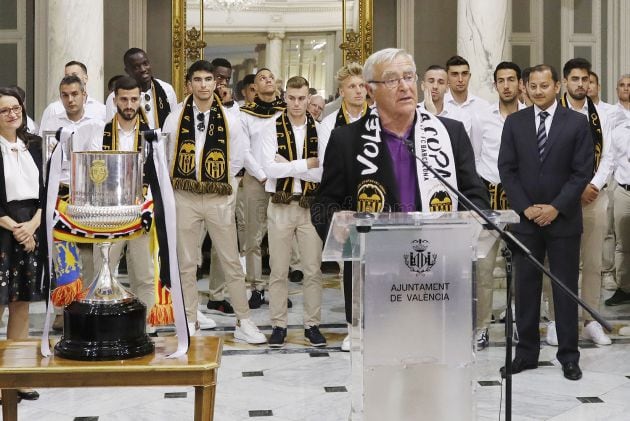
{"points": [[595, 196], [156, 96], [486, 141], [92, 107]]}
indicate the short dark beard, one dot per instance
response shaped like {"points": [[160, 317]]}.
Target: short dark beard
{"points": [[123, 116]]}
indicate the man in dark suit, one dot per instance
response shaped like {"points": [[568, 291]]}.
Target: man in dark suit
{"points": [[545, 162], [368, 166]]}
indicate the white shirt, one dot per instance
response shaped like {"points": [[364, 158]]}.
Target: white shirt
{"points": [[21, 175], [621, 153], [92, 107], [328, 124], [297, 168], [606, 160], [551, 110], [152, 113], [237, 142], [88, 136], [486, 141], [31, 125], [467, 109], [451, 111], [254, 127]]}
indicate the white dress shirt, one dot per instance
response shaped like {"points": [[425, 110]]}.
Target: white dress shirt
{"points": [[297, 168], [151, 114], [92, 107], [237, 142], [254, 127], [327, 125], [621, 153], [606, 160], [21, 175], [486, 141], [88, 136], [451, 111]]}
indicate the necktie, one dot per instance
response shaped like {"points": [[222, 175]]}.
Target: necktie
{"points": [[541, 136]]}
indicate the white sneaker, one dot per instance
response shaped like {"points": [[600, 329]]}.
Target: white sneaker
{"points": [[625, 331], [247, 331], [345, 345], [151, 330], [204, 321], [608, 281], [594, 331], [552, 337], [192, 329]]}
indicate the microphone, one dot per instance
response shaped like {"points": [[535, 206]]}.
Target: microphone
{"points": [[150, 135]]}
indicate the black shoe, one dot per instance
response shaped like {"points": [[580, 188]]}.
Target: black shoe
{"points": [[278, 335], [518, 365], [29, 396], [223, 308], [314, 336], [618, 298], [572, 371], [289, 303], [257, 299], [296, 276]]}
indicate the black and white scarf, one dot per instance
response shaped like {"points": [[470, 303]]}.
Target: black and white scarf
{"points": [[596, 129], [262, 109], [431, 143]]}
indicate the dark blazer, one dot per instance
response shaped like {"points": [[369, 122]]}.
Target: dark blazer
{"points": [[338, 189], [35, 149], [558, 180]]}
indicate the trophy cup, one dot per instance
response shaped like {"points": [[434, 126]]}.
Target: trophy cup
{"points": [[109, 322]]}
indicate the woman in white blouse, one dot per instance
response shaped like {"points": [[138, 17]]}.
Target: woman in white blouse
{"points": [[20, 214]]}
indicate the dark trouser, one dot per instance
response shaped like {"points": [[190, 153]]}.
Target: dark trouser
{"points": [[564, 256], [347, 290]]}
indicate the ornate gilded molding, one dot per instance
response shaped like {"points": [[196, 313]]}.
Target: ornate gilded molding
{"points": [[357, 45], [194, 44], [178, 28]]}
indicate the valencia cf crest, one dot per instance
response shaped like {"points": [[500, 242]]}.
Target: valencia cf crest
{"points": [[98, 171], [186, 160], [441, 202], [370, 197], [215, 164], [420, 259]]}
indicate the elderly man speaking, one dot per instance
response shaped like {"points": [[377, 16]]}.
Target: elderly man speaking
{"points": [[371, 155]]}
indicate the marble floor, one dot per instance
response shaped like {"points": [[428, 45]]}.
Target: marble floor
{"points": [[304, 383]]}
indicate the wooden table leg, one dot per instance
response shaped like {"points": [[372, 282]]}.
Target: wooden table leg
{"points": [[9, 405], [204, 403]]}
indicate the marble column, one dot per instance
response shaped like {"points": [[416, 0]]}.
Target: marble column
{"points": [[482, 40], [75, 32], [273, 56]]}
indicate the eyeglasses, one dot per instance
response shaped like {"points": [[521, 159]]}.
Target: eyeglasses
{"points": [[147, 106], [16, 109], [395, 82], [201, 118]]}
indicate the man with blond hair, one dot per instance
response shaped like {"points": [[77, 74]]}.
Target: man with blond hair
{"points": [[352, 92]]}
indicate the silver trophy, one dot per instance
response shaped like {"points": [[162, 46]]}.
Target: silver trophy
{"points": [[106, 194]]}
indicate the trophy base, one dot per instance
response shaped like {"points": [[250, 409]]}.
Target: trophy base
{"points": [[101, 332]]}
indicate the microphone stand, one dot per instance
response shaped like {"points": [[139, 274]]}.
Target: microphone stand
{"points": [[513, 244]]}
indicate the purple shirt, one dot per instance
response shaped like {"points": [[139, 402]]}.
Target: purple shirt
{"points": [[404, 165]]}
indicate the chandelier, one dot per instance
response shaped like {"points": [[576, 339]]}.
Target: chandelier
{"points": [[233, 5]]}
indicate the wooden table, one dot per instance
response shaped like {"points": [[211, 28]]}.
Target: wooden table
{"points": [[22, 366]]}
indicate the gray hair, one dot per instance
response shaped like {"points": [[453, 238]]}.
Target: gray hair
{"points": [[386, 55], [622, 77]]}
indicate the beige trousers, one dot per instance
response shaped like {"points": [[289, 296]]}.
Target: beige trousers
{"points": [[139, 266], [255, 200], [608, 258], [216, 281], [283, 223], [485, 280], [216, 214], [594, 223], [622, 231]]}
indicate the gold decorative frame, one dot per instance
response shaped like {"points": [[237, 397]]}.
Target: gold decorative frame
{"points": [[357, 45]]}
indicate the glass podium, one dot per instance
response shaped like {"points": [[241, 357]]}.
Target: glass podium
{"points": [[412, 348]]}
